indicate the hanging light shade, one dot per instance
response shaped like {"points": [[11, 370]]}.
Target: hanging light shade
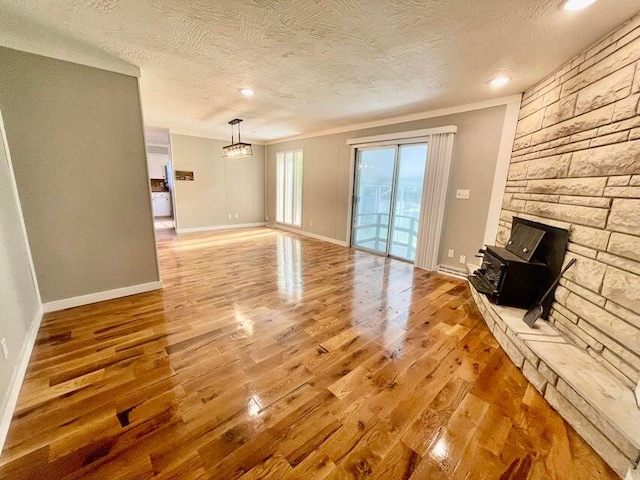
{"points": [[236, 149]]}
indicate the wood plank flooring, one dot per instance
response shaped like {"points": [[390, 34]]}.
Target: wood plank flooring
{"points": [[273, 356]]}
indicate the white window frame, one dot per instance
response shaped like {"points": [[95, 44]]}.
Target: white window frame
{"points": [[293, 217]]}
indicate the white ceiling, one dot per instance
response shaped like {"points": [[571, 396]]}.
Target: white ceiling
{"points": [[317, 64]]}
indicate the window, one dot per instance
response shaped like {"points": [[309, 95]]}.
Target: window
{"points": [[289, 188]]}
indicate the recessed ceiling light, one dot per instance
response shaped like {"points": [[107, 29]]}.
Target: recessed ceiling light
{"points": [[247, 92], [499, 81], [577, 4]]}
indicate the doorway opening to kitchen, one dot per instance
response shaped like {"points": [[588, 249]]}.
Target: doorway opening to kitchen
{"points": [[161, 178]]}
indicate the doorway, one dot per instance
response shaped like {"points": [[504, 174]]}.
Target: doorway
{"points": [[161, 178], [388, 187]]}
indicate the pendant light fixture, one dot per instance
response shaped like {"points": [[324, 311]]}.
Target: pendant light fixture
{"points": [[239, 149]]}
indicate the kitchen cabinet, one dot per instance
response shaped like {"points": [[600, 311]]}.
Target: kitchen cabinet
{"points": [[161, 204]]}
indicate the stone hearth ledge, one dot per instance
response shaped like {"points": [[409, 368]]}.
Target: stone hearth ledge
{"points": [[600, 408]]}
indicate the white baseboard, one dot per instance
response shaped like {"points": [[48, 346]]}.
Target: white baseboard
{"points": [[452, 271], [100, 296], [312, 235], [220, 227], [18, 377]]}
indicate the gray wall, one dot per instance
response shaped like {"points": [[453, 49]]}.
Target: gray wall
{"points": [[221, 187], [327, 160], [18, 295], [76, 139]]}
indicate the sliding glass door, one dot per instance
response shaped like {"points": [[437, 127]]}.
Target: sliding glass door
{"points": [[387, 197], [375, 170], [412, 161]]}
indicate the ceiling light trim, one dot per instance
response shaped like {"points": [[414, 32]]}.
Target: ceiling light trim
{"points": [[469, 107], [577, 5]]}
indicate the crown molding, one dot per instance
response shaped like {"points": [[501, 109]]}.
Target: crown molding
{"points": [[407, 118], [197, 133]]}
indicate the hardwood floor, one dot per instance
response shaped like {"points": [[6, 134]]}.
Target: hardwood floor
{"points": [[272, 356]]}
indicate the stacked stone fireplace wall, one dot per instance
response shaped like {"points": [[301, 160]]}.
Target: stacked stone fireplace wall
{"points": [[576, 164]]}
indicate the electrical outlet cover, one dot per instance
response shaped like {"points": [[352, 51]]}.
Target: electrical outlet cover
{"points": [[450, 253]]}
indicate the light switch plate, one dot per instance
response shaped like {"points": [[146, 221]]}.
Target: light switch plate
{"points": [[450, 255], [463, 194]]}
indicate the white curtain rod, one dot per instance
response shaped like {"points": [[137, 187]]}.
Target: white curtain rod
{"points": [[403, 135]]}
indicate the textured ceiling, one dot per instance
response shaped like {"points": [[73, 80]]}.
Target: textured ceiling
{"points": [[320, 64]]}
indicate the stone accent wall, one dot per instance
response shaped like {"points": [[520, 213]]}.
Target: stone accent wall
{"points": [[576, 165]]}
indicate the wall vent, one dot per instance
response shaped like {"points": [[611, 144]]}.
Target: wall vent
{"points": [[453, 271]]}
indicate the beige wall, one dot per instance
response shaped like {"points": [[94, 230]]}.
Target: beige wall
{"points": [[75, 135], [18, 296], [576, 164], [327, 160], [221, 187]]}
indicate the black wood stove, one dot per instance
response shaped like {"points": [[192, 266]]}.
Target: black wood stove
{"points": [[518, 274]]}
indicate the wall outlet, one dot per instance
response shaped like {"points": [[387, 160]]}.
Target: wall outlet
{"points": [[450, 255], [463, 259], [5, 350], [236, 215], [463, 194], [266, 218], [311, 223], [229, 216]]}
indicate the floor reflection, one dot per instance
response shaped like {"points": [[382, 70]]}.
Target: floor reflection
{"points": [[290, 268]]}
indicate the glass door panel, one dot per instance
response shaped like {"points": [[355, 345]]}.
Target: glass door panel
{"points": [[373, 194], [412, 161]]}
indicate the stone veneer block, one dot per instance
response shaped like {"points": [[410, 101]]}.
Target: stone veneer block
{"points": [[547, 373], [620, 262], [584, 293], [622, 192], [631, 317], [599, 442], [548, 167], [624, 56], [611, 344], [625, 245], [569, 186], [586, 272], [625, 216], [590, 237], [576, 334], [629, 450], [598, 202], [512, 317], [615, 328], [621, 158], [530, 124], [534, 377], [624, 289], [626, 108], [605, 91], [561, 110], [593, 217], [619, 181], [510, 349], [593, 382], [521, 345], [587, 121]]}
